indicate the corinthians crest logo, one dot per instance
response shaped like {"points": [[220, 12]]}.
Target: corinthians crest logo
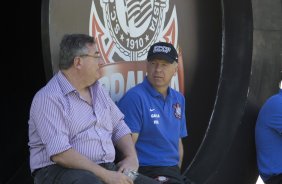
{"points": [[125, 29]]}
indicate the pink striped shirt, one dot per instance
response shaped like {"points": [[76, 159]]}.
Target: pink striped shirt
{"points": [[60, 119]]}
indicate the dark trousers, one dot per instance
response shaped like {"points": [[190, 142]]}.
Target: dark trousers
{"points": [[275, 179], [169, 174], [55, 174]]}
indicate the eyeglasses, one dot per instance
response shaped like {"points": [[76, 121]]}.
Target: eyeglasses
{"points": [[95, 56]]}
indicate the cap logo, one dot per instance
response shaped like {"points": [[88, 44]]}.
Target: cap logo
{"points": [[161, 49]]}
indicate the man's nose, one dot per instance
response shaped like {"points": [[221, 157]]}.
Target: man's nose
{"points": [[158, 67]]}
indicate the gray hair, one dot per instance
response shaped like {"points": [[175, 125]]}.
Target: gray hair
{"points": [[71, 46]]}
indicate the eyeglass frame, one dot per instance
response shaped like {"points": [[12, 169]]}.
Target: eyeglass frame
{"points": [[88, 55], [95, 56]]}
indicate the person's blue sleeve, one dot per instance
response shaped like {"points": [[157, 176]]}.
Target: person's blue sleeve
{"points": [[275, 120], [131, 106]]}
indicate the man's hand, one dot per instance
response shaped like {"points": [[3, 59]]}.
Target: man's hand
{"points": [[129, 163]]}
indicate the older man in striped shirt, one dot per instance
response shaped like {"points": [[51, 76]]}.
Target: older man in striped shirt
{"points": [[74, 125]]}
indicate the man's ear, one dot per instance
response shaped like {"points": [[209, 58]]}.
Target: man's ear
{"points": [[77, 62], [176, 69]]}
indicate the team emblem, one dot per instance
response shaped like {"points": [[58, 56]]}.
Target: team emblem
{"points": [[177, 110], [125, 29]]}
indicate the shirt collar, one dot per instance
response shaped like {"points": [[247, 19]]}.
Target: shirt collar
{"points": [[152, 90], [64, 83]]}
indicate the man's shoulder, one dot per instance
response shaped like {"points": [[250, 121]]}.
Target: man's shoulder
{"points": [[137, 90], [133, 94], [51, 89], [272, 105], [177, 93], [274, 99]]}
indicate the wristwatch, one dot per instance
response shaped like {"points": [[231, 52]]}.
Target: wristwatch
{"points": [[132, 174]]}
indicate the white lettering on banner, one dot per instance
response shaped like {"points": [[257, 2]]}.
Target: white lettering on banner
{"points": [[174, 83], [140, 76], [117, 84], [130, 80]]}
